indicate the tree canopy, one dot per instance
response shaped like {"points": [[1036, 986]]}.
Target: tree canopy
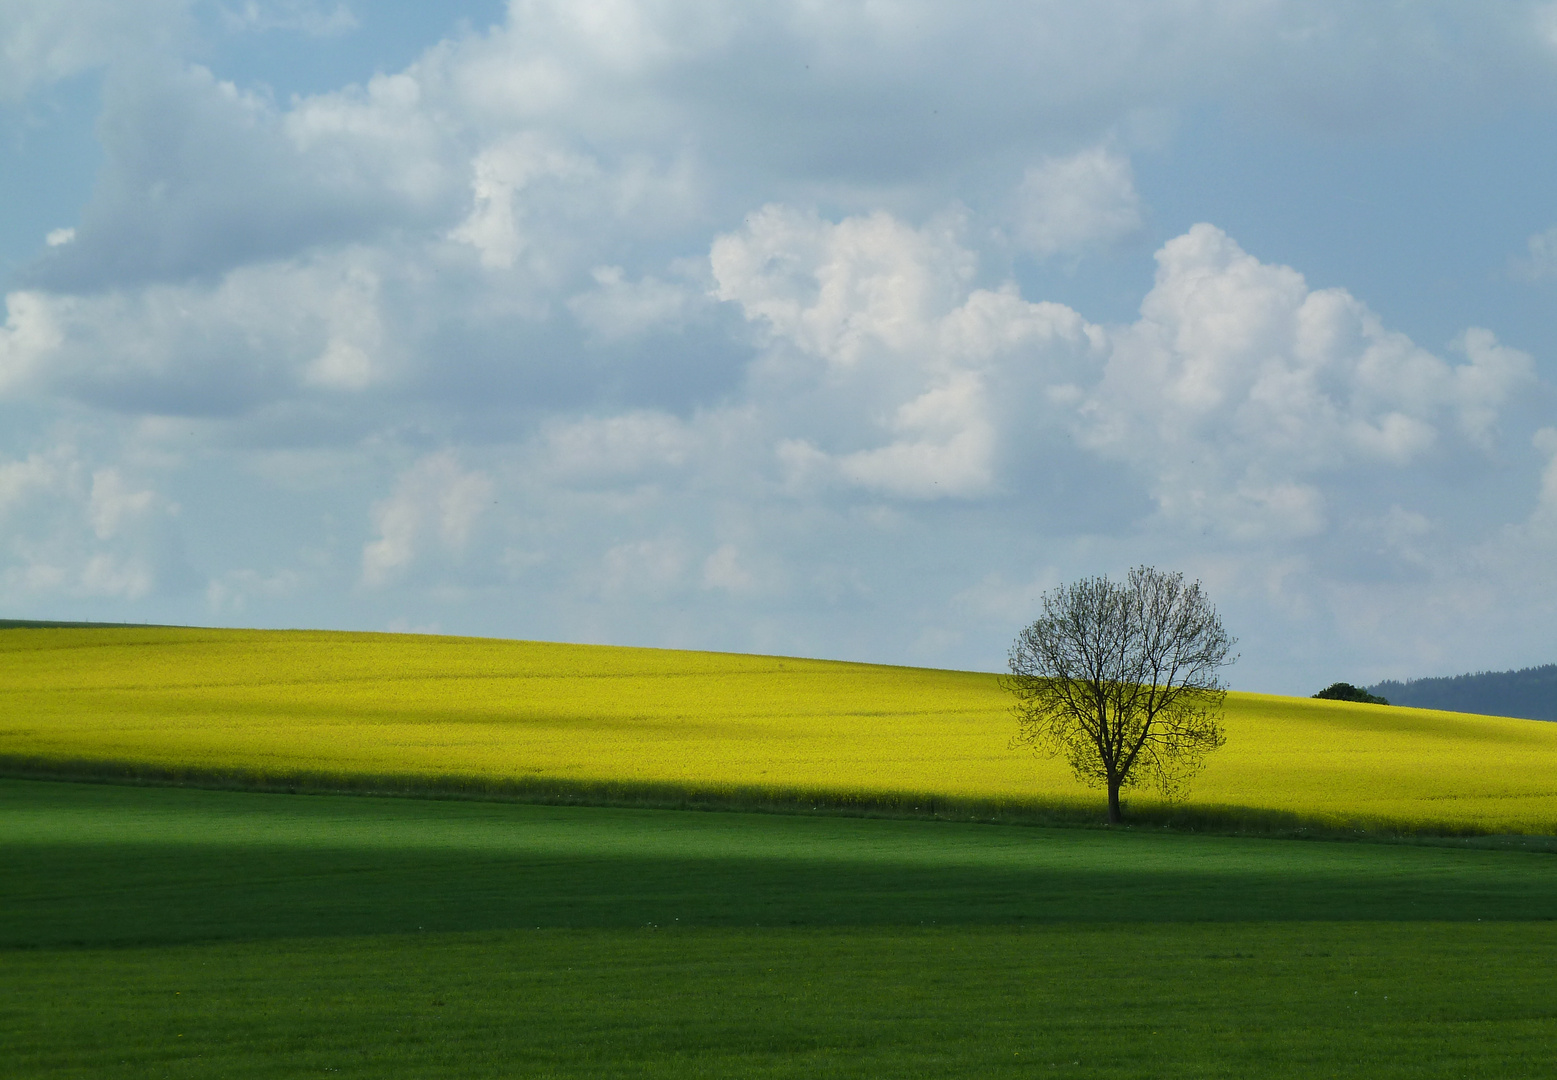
{"points": [[1345, 691], [1122, 679]]}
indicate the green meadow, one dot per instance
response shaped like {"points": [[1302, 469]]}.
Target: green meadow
{"points": [[184, 916], [155, 931]]}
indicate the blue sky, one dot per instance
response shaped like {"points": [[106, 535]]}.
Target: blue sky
{"points": [[841, 329]]}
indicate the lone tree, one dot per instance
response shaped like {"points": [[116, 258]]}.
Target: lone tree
{"points": [[1122, 679]]}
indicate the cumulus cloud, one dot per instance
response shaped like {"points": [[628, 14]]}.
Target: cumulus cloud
{"points": [[1543, 519], [30, 334], [866, 295], [543, 147], [1480, 388], [1541, 258], [1066, 205], [495, 226], [73, 531], [256, 334], [1240, 388], [723, 570], [542, 138], [909, 346], [46, 41], [435, 500], [841, 291], [301, 16], [618, 309], [948, 445], [719, 301], [202, 176], [33, 475], [234, 590], [619, 447], [651, 567], [114, 503], [110, 575], [914, 354]]}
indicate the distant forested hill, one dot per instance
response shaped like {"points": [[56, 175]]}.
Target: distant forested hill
{"points": [[1530, 693]]}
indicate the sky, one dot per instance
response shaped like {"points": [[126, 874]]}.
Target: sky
{"points": [[839, 329]]}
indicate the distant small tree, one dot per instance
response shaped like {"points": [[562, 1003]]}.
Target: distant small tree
{"points": [[1345, 691], [1122, 679]]}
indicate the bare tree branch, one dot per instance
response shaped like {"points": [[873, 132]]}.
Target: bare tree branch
{"points": [[1121, 679]]}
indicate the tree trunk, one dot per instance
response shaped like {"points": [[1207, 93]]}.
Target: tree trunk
{"points": [[1114, 816]]}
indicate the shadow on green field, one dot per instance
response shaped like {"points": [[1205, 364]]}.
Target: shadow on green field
{"points": [[96, 864], [189, 933], [534, 790]]}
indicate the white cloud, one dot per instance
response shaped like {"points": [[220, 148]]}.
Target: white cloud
{"points": [[74, 531], [651, 567], [201, 175], [1480, 389], [495, 226], [1543, 519], [30, 334], [948, 449], [552, 143], [302, 16], [46, 41], [617, 309], [354, 335], [114, 502], [233, 591], [1239, 388], [841, 291], [1542, 255], [36, 474], [998, 322], [110, 575], [617, 447], [382, 143], [1066, 205], [434, 500], [723, 570], [257, 334], [915, 356]]}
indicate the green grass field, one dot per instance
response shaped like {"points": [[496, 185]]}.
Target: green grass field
{"points": [[420, 713], [178, 932]]}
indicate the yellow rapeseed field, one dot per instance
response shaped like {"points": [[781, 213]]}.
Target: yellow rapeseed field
{"points": [[287, 703]]}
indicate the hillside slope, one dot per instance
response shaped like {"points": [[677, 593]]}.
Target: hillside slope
{"points": [[440, 713]]}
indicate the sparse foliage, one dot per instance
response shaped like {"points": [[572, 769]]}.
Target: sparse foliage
{"points": [[1121, 678]]}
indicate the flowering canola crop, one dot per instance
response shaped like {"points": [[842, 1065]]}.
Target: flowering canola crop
{"points": [[291, 703]]}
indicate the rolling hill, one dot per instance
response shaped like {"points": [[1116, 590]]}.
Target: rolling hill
{"points": [[602, 724]]}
